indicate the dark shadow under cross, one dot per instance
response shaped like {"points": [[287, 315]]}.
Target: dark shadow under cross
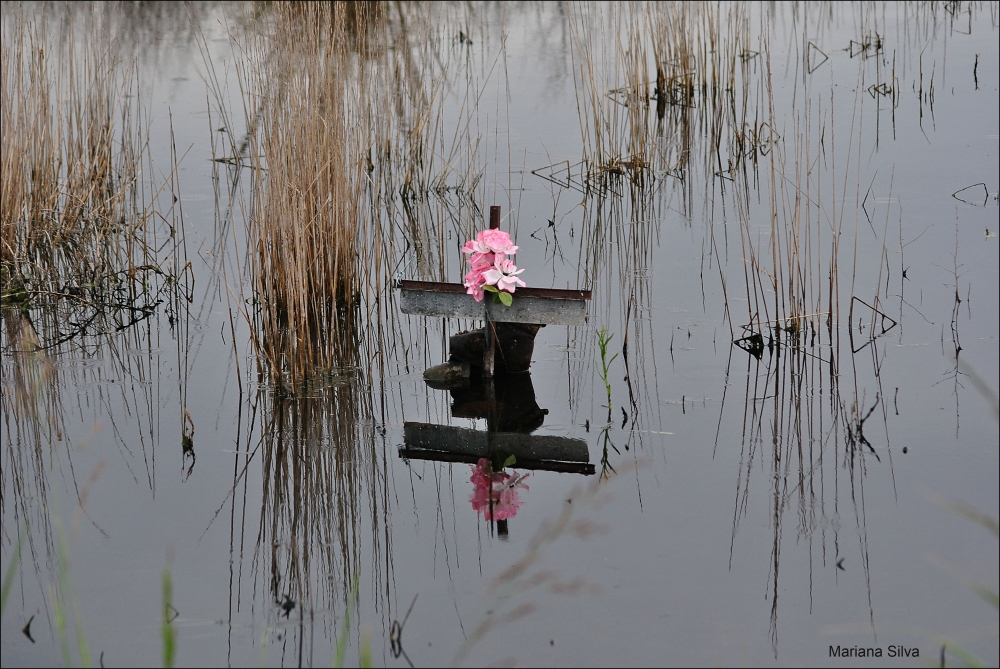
{"points": [[539, 306]]}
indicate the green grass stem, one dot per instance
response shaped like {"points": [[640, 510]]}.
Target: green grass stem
{"points": [[603, 339], [8, 577], [169, 638]]}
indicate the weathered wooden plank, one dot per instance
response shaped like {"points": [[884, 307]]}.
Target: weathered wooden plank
{"points": [[474, 443], [446, 287], [525, 309]]}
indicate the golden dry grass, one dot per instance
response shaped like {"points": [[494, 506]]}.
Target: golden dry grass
{"points": [[355, 174], [304, 220], [70, 202]]}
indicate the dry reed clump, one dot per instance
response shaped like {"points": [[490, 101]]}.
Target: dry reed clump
{"points": [[74, 217], [608, 46], [685, 63], [715, 123], [354, 170], [304, 219]]}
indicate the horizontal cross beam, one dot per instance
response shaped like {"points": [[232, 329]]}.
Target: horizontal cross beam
{"points": [[542, 306]]}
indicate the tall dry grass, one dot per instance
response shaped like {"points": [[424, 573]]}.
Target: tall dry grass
{"points": [[85, 257], [612, 89], [304, 224], [72, 206], [361, 170], [781, 180], [657, 85]]}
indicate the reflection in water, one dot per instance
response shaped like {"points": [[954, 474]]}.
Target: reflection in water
{"points": [[94, 276], [495, 493], [727, 145], [33, 420], [323, 488], [60, 399], [799, 426], [326, 240], [508, 404], [813, 416]]}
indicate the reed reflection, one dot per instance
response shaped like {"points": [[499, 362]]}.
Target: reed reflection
{"points": [[94, 281], [324, 519], [712, 137]]}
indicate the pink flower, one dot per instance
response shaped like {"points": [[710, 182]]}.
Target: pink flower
{"points": [[495, 494], [476, 245], [489, 264], [474, 284], [498, 241], [483, 261], [503, 275], [490, 241]]}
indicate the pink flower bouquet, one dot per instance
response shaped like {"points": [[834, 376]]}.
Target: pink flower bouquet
{"points": [[491, 270]]}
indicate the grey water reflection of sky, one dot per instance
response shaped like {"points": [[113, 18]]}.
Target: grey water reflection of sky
{"points": [[683, 569]]}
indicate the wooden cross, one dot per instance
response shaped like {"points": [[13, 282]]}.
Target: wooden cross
{"points": [[542, 306], [538, 306]]}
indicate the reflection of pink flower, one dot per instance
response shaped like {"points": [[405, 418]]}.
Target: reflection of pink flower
{"points": [[503, 275], [501, 486]]}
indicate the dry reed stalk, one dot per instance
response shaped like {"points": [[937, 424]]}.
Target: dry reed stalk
{"points": [[304, 219], [355, 174], [73, 208], [612, 94], [685, 62], [78, 245]]}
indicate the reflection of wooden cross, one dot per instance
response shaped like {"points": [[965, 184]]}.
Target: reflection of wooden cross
{"points": [[543, 306], [445, 443], [512, 413]]}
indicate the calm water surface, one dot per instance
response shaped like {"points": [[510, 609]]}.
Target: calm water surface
{"points": [[734, 515]]}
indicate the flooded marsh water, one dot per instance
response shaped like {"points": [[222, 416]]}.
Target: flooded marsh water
{"points": [[773, 442]]}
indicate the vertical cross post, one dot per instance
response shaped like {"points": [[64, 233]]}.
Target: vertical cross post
{"points": [[489, 349], [489, 345]]}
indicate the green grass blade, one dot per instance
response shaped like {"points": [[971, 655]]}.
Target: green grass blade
{"points": [[169, 640], [964, 655], [60, 620], [8, 577], [338, 659], [366, 648], [81, 639], [60, 592], [987, 594]]}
